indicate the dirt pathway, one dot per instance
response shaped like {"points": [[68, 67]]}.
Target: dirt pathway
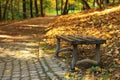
{"points": [[18, 49], [22, 35]]}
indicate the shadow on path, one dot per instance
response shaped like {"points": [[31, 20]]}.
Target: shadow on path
{"points": [[18, 50]]}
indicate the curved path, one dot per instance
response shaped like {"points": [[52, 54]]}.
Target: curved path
{"points": [[19, 45]]}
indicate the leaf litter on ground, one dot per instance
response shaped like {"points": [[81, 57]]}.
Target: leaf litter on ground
{"points": [[103, 24]]}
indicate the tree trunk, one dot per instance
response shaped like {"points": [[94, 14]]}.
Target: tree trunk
{"points": [[5, 9], [0, 10], [107, 1], [61, 6], [94, 3], [36, 8], [18, 6], [100, 2], [65, 11], [56, 7], [31, 9], [12, 11], [113, 2], [85, 5], [41, 8], [118, 1], [24, 9]]}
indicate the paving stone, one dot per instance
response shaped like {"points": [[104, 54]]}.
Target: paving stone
{"points": [[16, 75], [33, 72], [43, 75], [17, 78], [7, 73], [45, 69], [16, 65], [8, 68], [16, 72], [61, 73], [2, 65], [44, 78], [25, 78], [24, 65], [56, 69], [1, 69], [51, 75], [40, 72], [6, 77], [16, 69], [35, 78], [24, 75], [16, 62], [39, 69], [38, 65], [32, 68]]}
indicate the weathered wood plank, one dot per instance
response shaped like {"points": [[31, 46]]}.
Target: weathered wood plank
{"points": [[64, 38], [78, 39]]}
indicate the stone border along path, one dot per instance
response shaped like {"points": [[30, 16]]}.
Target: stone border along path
{"points": [[19, 64]]}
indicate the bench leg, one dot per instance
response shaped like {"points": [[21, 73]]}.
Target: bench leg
{"points": [[57, 48], [97, 56], [74, 58]]}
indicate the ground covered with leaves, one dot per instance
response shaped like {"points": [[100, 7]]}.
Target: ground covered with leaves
{"points": [[104, 24]]}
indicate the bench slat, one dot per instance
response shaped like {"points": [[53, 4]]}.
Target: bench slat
{"points": [[79, 39], [93, 38], [64, 38], [82, 38]]}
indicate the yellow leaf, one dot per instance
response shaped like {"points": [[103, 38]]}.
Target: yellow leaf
{"points": [[108, 36], [67, 75], [104, 45], [118, 62]]}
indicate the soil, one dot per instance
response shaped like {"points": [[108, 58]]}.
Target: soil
{"points": [[19, 39]]}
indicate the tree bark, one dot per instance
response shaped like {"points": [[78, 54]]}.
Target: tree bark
{"points": [[85, 5], [36, 8], [12, 11], [56, 7], [61, 6], [99, 2], [5, 9], [24, 9], [0, 11], [41, 8], [107, 1], [94, 3], [65, 11], [18, 6], [113, 1], [31, 9]]}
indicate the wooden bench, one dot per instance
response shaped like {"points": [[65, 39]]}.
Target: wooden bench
{"points": [[74, 41]]}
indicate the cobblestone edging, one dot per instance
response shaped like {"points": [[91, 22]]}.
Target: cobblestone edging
{"points": [[47, 68], [17, 62]]}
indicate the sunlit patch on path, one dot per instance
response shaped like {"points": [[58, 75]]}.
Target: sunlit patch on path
{"points": [[18, 60], [19, 49]]}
